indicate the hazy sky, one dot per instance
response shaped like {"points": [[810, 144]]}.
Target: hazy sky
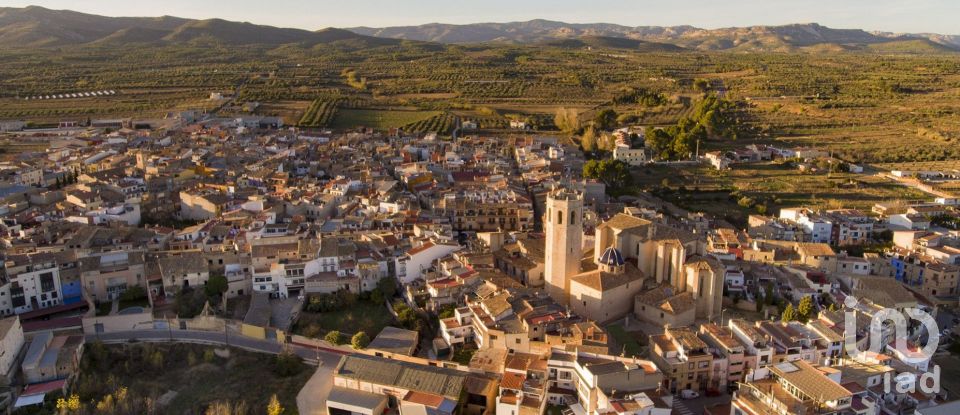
{"points": [[940, 16]]}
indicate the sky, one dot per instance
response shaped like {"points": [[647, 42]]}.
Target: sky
{"points": [[936, 16]]}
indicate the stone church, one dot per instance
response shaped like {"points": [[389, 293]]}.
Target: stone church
{"points": [[656, 272]]}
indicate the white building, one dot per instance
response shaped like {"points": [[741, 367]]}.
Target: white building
{"points": [[631, 156], [909, 221], [33, 283], [816, 227], [11, 341], [414, 262], [717, 160]]}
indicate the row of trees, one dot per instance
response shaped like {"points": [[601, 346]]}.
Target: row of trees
{"points": [[805, 311], [640, 96], [613, 173], [119, 402], [66, 179], [712, 117], [360, 340]]}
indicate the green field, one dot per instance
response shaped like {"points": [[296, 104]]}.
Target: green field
{"points": [[362, 316], [378, 119]]}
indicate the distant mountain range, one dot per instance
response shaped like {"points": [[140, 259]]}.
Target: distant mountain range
{"points": [[755, 38], [40, 27]]}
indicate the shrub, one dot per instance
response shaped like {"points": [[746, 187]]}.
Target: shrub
{"points": [[208, 356], [133, 293], [334, 337], [360, 340], [311, 330], [287, 364]]}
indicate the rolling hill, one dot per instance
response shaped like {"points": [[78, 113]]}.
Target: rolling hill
{"points": [[40, 27], [794, 37], [608, 42]]}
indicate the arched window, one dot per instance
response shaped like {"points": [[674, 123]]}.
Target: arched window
{"points": [[559, 217], [573, 217]]}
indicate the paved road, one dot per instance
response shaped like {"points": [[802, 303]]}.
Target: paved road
{"points": [[310, 355]]}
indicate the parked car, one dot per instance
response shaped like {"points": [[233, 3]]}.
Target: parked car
{"points": [[689, 394]]}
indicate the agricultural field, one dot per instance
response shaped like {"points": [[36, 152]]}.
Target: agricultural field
{"points": [[946, 165], [896, 108], [379, 119], [319, 114], [768, 187]]}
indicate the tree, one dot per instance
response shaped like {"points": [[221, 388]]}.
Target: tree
{"points": [[447, 311], [387, 287], [68, 405], [606, 119], [216, 285], [567, 120], [287, 364], [660, 141], [788, 313], [377, 296], [274, 408], [701, 85], [209, 356], [334, 337], [613, 173], [156, 360], [189, 302], [591, 169], [588, 142], [133, 293], [225, 408], [805, 309], [360, 340]]}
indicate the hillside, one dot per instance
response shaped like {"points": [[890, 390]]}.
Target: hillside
{"points": [[755, 38], [607, 42], [40, 27]]}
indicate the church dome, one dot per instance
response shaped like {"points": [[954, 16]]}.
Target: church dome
{"points": [[611, 257]]}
